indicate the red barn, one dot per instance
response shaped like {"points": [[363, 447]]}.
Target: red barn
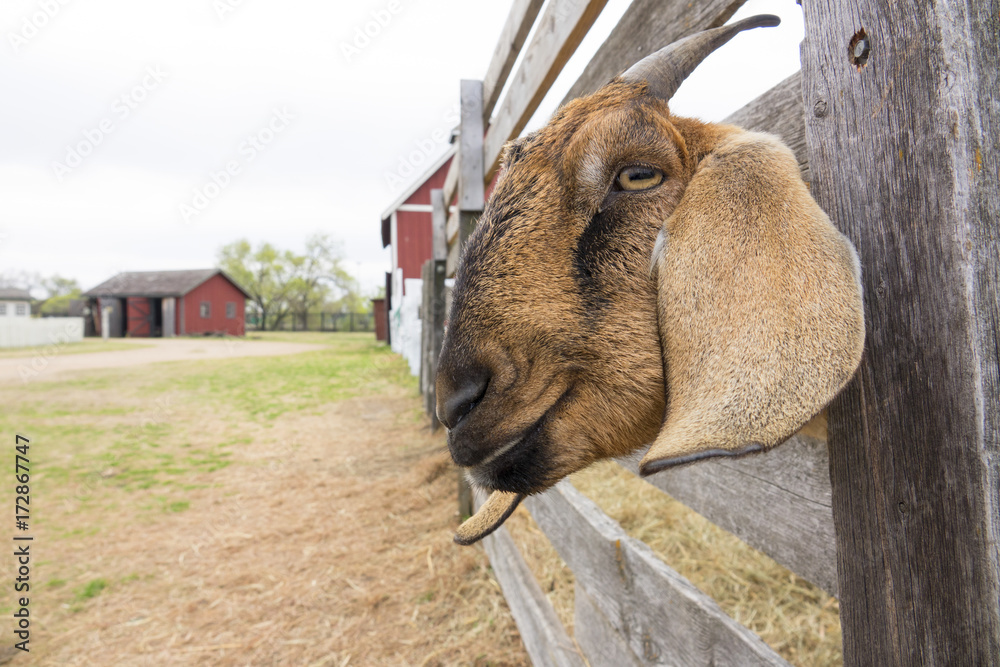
{"points": [[406, 225], [169, 303]]}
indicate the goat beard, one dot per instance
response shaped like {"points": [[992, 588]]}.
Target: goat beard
{"points": [[489, 517]]}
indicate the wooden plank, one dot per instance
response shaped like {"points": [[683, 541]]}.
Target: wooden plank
{"points": [[466, 223], [439, 223], [426, 370], [645, 27], [454, 251], [451, 227], [662, 617], [465, 509], [599, 642], [470, 148], [541, 631], [450, 186], [903, 144], [435, 324], [562, 27], [515, 31], [779, 111], [779, 503]]}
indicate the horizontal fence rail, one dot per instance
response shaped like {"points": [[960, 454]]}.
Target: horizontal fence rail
{"points": [[361, 322], [779, 503], [658, 615]]}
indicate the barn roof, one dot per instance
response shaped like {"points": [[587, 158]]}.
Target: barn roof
{"points": [[157, 283], [14, 294]]}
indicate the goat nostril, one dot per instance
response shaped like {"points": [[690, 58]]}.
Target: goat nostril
{"points": [[464, 400]]}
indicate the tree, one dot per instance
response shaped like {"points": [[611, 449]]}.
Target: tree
{"points": [[20, 280], [265, 273], [318, 275], [60, 291], [282, 283]]}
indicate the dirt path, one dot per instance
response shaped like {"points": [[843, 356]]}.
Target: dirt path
{"points": [[201, 535], [49, 364]]}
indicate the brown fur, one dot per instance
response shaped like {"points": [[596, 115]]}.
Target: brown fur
{"points": [[753, 305]]}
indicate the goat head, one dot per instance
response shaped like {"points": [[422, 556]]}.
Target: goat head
{"points": [[638, 277]]}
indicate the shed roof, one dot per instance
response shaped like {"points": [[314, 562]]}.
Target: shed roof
{"points": [[14, 294], [157, 283]]}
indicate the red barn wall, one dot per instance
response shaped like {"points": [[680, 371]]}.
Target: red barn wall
{"points": [[217, 291], [415, 239], [414, 229], [137, 317], [422, 195]]}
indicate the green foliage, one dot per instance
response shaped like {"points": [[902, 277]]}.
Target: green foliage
{"points": [[57, 286], [59, 305], [59, 291], [264, 273], [284, 284]]}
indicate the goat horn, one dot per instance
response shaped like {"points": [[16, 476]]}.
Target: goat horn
{"points": [[666, 69]]}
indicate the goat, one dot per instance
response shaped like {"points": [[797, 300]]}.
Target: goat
{"points": [[639, 277]]}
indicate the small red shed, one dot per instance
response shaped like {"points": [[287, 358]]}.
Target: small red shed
{"points": [[169, 303]]}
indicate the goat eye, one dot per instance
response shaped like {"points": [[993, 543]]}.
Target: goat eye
{"points": [[638, 177]]}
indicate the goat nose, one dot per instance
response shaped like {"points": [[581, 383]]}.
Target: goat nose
{"points": [[464, 398]]}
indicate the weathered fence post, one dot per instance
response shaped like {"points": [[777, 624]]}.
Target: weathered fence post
{"points": [[470, 156], [426, 371], [470, 198], [436, 318], [902, 126], [439, 222]]}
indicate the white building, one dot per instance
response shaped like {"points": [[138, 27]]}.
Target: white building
{"points": [[14, 302]]}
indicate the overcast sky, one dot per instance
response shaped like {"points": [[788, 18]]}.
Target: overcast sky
{"points": [[140, 135]]}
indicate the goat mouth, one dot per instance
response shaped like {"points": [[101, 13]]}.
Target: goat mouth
{"points": [[523, 464]]}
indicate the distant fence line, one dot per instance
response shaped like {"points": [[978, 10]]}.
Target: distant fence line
{"points": [[321, 322]]}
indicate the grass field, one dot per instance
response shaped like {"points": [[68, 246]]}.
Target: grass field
{"points": [[271, 510], [296, 510]]}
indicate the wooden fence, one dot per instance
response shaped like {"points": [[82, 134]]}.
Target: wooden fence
{"points": [[324, 322], [894, 122]]}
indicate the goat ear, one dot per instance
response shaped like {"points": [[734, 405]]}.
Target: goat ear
{"points": [[759, 306]]}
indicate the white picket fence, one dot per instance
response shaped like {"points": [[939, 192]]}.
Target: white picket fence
{"points": [[32, 332]]}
